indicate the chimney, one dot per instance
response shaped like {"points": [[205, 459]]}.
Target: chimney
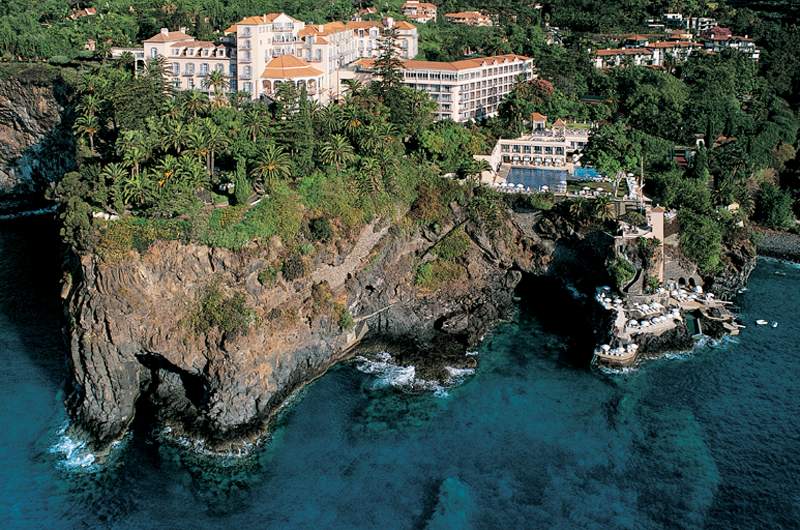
{"points": [[164, 31], [388, 22], [183, 29]]}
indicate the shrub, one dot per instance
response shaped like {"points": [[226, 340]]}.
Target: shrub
{"points": [[701, 240], [453, 246], [228, 313], [268, 276], [293, 267], [488, 209], [345, 320], [774, 207], [541, 201], [621, 271], [435, 274], [321, 229]]}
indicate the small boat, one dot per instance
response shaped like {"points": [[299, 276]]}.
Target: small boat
{"points": [[774, 324], [761, 322]]}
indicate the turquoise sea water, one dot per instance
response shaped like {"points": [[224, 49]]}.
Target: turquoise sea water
{"points": [[709, 439]]}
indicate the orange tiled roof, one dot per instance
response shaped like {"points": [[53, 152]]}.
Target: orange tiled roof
{"points": [[402, 24], [194, 44], [289, 67], [674, 44], [537, 116], [474, 15], [464, 64], [170, 36], [622, 51]]}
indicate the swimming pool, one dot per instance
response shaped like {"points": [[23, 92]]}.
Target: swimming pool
{"points": [[586, 173], [535, 178]]}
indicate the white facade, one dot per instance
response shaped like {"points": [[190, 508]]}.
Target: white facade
{"points": [[189, 62], [254, 53], [470, 89]]}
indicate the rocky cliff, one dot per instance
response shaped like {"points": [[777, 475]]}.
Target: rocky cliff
{"points": [[135, 339], [36, 142]]}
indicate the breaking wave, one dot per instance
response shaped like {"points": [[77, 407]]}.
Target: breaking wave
{"points": [[74, 453], [388, 373]]}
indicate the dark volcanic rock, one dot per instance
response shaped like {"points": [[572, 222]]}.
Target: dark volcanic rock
{"points": [[36, 141], [132, 341]]}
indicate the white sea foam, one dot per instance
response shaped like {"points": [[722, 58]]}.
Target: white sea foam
{"points": [[75, 453], [389, 374], [28, 213]]}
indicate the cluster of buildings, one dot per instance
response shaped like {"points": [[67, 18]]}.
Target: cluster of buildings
{"points": [[672, 47], [424, 12], [469, 18], [554, 148], [421, 12], [258, 53]]}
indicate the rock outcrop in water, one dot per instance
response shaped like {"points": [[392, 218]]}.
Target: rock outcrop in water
{"points": [[36, 141], [133, 341]]}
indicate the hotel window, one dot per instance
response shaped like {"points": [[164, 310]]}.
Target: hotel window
{"points": [[189, 69], [247, 87], [190, 84], [204, 69], [154, 52], [176, 69]]}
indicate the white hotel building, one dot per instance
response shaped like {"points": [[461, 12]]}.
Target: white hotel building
{"points": [[259, 53], [470, 89]]}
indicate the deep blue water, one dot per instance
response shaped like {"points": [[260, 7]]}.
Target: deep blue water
{"points": [[710, 439]]}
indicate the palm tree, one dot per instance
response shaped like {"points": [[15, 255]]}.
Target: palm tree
{"points": [[191, 171], [272, 162], [197, 141], [601, 209], [90, 104], [330, 118], [175, 134], [337, 151], [370, 175], [371, 139], [135, 189], [352, 119], [134, 149], [216, 84], [217, 142], [168, 169], [577, 209], [354, 87], [255, 122], [87, 125], [114, 172], [195, 102]]}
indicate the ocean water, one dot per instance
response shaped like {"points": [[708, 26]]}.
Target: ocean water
{"points": [[707, 439]]}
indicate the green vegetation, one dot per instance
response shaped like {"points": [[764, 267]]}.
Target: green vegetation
{"points": [[774, 207], [453, 246], [433, 275], [621, 271], [231, 172], [226, 312]]}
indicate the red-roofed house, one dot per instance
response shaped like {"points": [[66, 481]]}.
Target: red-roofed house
{"points": [[421, 12], [469, 18]]}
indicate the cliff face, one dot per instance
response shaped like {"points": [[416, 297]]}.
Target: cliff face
{"points": [[133, 341], [36, 143]]}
